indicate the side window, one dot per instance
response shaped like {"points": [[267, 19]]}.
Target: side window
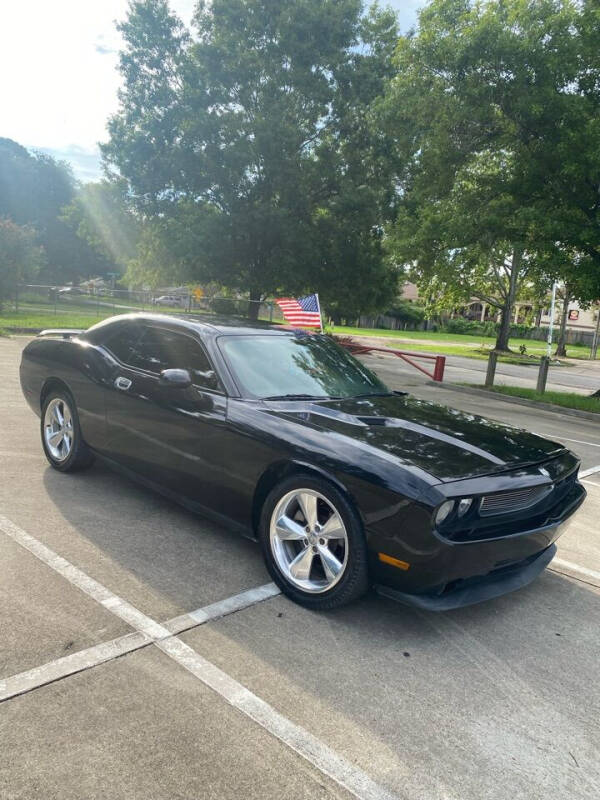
{"points": [[148, 353], [162, 349], [122, 342]]}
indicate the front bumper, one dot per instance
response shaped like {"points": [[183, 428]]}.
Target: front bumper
{"points": [[443, 574], [468, 591]]}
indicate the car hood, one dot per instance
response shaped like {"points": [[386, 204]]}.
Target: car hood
{"points": [[447, 443]]}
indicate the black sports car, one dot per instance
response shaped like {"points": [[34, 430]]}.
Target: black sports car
{"points": [[287, 437]]}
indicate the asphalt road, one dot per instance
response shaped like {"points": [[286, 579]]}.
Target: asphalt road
{"points": [[581, 376], [497, 701]]}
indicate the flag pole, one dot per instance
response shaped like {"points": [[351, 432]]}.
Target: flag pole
{"points": [[321, 315]]}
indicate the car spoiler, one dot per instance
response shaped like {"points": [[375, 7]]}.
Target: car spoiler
{"points": [[60, 333]]}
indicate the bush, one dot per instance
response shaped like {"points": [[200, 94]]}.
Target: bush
{"points": [[489, 328], [464, 326], [407, 312], [521, 331], [461, 325], [223, 305]]}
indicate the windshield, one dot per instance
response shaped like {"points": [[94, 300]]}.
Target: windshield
{"points": [[296, 367]]}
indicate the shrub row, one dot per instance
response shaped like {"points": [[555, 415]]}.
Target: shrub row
{"points": [[460, 325]]}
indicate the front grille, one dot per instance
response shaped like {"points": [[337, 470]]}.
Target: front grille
{"points": [[516, 500]]}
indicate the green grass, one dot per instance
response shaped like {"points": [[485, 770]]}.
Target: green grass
{"points": [[455, 344], [38, 319], [564, 399], [481, 354], [438, 336], [46, 319]]}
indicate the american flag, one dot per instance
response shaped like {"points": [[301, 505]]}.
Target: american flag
{"points": [[303, 312]]}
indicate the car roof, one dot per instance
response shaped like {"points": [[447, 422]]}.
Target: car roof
{"points": [[208, 325]]}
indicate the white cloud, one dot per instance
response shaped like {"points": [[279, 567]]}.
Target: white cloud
{"points": [[59, 80]]}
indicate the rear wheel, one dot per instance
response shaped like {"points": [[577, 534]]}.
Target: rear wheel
{"points": [[313, 543], [61, 435]]}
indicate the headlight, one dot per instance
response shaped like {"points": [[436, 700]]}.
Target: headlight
{"points": [[464, 505], [443, 511]]}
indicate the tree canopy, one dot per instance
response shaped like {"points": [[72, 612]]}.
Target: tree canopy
{"points": [[100, 217], [479, 107], [20, 257], [247, 148], [34, 189]]}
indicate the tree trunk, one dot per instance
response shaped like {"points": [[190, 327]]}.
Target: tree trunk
{"points": [[561, 347], [254, 304], [504, 331], [503, 334]]}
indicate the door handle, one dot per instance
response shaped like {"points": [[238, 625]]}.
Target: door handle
{"points": [[122, 383]]}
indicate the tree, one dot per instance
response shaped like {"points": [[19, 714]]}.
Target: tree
{"points": [[100, 217], [573, 176], [482, 93], [20, 257], [247, 148], [34, 188]]}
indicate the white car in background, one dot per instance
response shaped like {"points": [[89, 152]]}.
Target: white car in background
{"points": [[170, 300]]}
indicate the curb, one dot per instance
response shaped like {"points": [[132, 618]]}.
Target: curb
{"points": [[519, 401]]}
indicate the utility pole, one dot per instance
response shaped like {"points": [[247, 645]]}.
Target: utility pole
{"points": [[594, 350], [551, 328]]}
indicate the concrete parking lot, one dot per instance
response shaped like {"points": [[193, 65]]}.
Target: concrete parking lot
{"points": [[144, 654]]}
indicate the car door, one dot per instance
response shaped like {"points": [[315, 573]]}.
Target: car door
{"points": [[167, 435]]}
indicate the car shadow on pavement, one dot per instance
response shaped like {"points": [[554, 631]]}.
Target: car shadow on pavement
{"points": [[187, 558]]}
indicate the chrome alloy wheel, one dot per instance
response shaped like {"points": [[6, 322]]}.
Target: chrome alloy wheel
{"points": [[309, 540], [58, 429]]}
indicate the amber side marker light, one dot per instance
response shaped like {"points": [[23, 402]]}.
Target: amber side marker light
{"points": [[395, 562]]}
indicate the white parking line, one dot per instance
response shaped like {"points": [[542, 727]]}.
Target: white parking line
{"points": [[222, 608], [298, 739], [559, 438], [107, 651], [295, 737], [571, 567], [71, 664], [566, 439], [121, 608], [591, 471], [20, 454]]}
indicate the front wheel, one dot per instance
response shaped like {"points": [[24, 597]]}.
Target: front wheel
{"points": [[61, 435], [313, 543]]}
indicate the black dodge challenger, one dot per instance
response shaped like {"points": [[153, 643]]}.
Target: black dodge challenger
{"points": [[288, 438]]}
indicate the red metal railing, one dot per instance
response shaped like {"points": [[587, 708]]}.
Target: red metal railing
{"points": [[363, 349]]}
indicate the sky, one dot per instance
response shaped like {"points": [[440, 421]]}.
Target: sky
{"points": [[60, 81]]}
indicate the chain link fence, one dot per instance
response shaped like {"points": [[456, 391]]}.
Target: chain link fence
{"points": [[41, 300]]}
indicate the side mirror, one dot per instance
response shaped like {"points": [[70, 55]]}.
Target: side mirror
{"points": [[175, 379]]}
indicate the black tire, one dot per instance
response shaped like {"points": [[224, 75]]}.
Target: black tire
{"points": [[354, 580], [80, 456]]}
